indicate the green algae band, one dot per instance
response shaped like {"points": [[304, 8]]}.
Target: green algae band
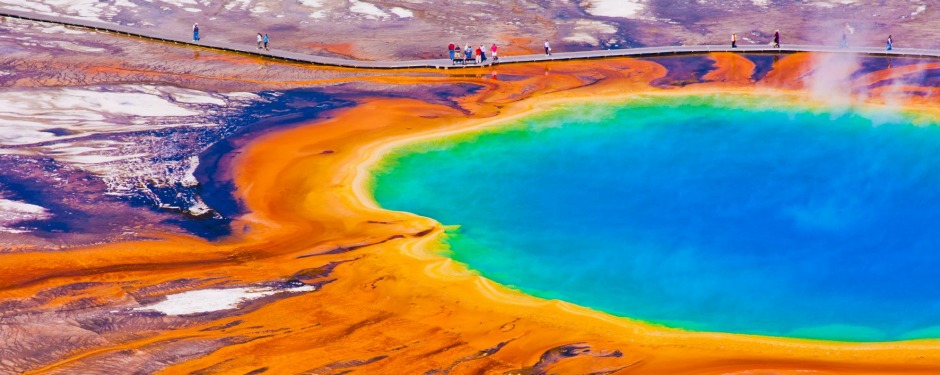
{"points": [[705, 213]]}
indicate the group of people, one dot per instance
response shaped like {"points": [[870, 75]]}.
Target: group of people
{"points": [[843, 43], [468, 53], [262, 38], [263, 41], [478, 56], [776, 42]]}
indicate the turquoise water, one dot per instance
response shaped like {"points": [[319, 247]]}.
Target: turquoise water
{"points": [[704, 213]]}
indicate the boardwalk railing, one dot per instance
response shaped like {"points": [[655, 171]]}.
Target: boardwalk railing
{"points": [[184, 38]]}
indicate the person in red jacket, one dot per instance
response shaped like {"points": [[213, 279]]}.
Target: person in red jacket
{"points": [[451, 48], [493, 49], [479, 55]]}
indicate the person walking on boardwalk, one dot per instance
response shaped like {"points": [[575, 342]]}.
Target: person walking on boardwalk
{"points": [[495, 58], [196, 32], [890, 45], [266, 42], [451, 47], [548, 49], [458, 55], [734, 40], [844, 43], [482, 53], [479, 55], [467, 53], [260, 40], [777, 39]]}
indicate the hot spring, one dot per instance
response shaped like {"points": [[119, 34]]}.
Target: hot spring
{"points": [[711, 213]]}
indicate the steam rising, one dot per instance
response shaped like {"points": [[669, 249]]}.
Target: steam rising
{"points": [[844, 82]]}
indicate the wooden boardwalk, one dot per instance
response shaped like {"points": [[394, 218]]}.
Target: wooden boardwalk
{"points": [[185, 38]]}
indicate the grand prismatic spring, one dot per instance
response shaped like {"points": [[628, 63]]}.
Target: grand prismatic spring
{"points": [[182, 210], [722, 213]]}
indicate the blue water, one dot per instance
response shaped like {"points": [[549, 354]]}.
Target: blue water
{"points": [[704, 213]]}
